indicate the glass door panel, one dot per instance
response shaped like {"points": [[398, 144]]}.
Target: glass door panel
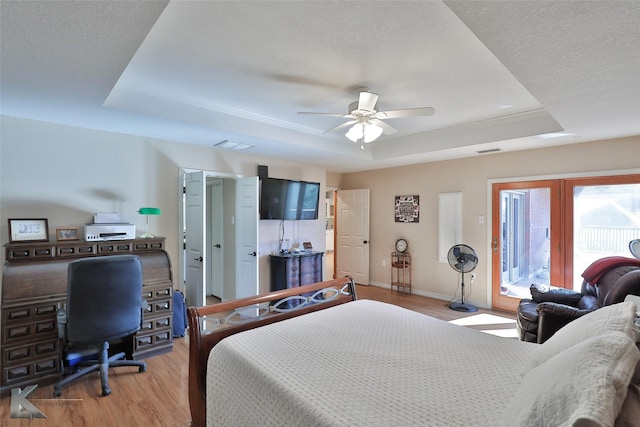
{"points": [[522, 245], [605, 219]]}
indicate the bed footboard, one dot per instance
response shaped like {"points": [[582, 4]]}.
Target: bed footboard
{"points": [[208, 325]]}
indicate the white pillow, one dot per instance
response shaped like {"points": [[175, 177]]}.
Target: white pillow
{"points": [[616, 317], [584, 385]]}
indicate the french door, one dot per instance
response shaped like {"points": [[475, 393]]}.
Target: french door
{"points": [[526, 229], [547, 232]]}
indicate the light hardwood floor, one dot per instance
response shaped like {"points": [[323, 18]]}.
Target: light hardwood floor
{"points": [[159, 396]]}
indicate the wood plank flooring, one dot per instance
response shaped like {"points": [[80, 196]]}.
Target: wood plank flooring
{"points": [[159, 397]]}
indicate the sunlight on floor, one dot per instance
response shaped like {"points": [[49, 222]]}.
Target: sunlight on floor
{"points": [[504, 333], [478, 320], [482, 319]]}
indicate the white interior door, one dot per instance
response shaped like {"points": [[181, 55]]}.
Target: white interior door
{"points": [[352, 235], [247, 282], [195, 185], [216, 258]]}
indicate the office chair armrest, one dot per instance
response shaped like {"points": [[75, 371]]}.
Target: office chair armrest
{"points": [[61, 321]]}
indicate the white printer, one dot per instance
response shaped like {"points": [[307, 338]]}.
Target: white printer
{"points": [[117, 231], [108, 226]]}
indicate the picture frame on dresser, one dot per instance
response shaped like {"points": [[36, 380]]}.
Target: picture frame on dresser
{"points": [[28, 230], [67, 234]]}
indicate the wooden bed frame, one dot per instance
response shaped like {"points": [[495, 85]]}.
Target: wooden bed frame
{"points": [[209, 325]]}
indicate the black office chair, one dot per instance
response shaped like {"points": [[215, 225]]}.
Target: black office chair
{"points": [[104, 303]]}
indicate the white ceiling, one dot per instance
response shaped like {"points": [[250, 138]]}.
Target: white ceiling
{"points": [[498, 73]]}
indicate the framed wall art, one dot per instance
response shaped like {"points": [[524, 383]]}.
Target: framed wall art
{"points": [[67, 234], [407, 209], [28, 230]]}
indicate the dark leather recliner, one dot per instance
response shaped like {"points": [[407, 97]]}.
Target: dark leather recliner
{"points": [[547, 311]]}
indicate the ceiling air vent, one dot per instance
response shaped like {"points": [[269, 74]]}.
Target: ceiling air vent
{"points": [[230, 145], [490, 150]]}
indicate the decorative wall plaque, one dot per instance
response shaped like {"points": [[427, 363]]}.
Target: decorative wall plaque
{"points": [[407, 209]]}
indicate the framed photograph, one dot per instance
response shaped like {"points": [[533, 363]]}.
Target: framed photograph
{"points": [[28, 230], [407, 209], [67, 234], [307, 245]]}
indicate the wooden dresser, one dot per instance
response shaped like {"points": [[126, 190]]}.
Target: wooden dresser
{"points": [[34, 286], [295, 269]]}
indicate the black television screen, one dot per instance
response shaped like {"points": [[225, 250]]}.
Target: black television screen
{"points": [[286, 199]]}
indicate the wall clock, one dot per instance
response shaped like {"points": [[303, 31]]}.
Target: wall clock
{"points": [[401, 245]]}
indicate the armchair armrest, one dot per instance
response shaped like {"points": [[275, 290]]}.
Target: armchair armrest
{"points": [[559, 295], [553, 316]]}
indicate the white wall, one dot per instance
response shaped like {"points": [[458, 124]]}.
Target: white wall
{"points": [[67, 174], [471, 176]]}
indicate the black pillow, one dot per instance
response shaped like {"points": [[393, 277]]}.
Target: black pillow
{"points": [[560, 295]]}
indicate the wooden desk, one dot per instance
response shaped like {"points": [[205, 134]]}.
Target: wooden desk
{"points": [[34, 287]]}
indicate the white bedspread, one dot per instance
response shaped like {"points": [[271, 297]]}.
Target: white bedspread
{"points": [[363, 363]]}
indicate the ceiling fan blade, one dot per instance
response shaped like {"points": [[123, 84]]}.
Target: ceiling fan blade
{"points": [[342, 126], [407, 112], [386, 129], [367, 101], [326, 114]]}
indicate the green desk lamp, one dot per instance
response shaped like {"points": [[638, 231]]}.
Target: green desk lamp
{"points": [[147, 212]]}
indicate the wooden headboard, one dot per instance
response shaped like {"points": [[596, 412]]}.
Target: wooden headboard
{"points": [[209, 325]]}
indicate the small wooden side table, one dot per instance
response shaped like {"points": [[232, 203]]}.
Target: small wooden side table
{"points": [[401, 271]]}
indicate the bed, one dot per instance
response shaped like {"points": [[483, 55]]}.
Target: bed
{"points": [[318, 356]]}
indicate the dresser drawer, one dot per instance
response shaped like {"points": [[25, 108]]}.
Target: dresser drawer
{"points": [[30, 313], [30, 252], [158, 307], [17, 354], [115, 247], [76, 250], [155, 324], [14, 334], [157, 292], [146, 341], [30, 370]]}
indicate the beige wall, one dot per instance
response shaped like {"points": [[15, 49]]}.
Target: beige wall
{"points": [[67, 174], [470, 176]]}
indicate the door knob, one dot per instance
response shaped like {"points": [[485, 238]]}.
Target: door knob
{"points": [[253, 253], [365, 242], [217, 245], [198, 259]]}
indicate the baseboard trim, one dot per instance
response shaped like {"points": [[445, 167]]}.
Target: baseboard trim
{"points": [[433, 295]]}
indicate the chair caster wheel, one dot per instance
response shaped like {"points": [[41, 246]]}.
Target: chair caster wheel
{"points": [[106, 391], [57, 393], [142, 369]]}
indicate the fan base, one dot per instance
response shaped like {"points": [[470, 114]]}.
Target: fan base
{"points": [[463, 307]]}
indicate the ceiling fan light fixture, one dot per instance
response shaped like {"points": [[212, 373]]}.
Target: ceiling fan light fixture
{"points": [[364, 131], [356, 132], [372, 132]]}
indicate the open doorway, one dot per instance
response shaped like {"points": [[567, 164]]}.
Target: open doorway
{"points": [[219, 220], [330, 204]]}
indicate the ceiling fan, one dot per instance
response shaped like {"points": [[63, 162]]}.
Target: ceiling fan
{"points": [[366, 123]]}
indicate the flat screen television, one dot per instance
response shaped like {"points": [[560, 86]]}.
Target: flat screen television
{"points": [[287, 199]]}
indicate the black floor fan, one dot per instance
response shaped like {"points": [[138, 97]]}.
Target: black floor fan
{"points": [[463, 259]]}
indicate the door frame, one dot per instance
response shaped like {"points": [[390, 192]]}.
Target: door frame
{"points": [[362, 277], [499, 301], [182, 264]]}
